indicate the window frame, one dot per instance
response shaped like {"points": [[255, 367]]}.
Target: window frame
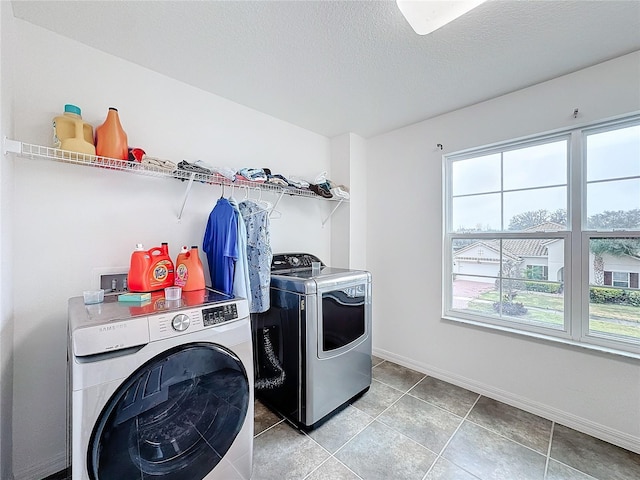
{"points": [[576, 327]]}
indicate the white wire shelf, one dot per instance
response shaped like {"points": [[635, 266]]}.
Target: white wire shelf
{"points": [[39, 152]]}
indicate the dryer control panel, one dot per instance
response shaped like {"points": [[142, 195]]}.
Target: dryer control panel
{"points": [[289, 262]]}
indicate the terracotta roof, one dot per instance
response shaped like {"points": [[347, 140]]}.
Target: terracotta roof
{"points": [[532, 247], [546, 227], [535, 247], [515, 248]]}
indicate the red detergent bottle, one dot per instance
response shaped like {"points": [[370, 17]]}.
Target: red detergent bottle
{"points": [[150, 270], [189, 272]]}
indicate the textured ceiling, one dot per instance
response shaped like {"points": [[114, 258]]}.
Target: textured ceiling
{"points": [[348, 66]]}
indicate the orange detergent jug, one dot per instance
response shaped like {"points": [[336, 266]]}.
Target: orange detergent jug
{"points": [[189, 271], [111, 139], [150, 270]]}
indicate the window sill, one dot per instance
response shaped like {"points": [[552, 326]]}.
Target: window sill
{"points": [[549, 338]]}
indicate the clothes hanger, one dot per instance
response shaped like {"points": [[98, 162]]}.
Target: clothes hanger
{"points": [[268, 206], [265, 206], [274, 214]]}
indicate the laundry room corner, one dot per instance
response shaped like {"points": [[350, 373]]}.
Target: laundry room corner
{"points": [[349, 222], [200, 200]]}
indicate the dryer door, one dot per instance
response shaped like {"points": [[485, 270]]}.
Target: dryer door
{"points": [[173, 419]]}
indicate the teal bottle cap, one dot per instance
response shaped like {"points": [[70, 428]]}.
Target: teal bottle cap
{"points": [[68, 108]]}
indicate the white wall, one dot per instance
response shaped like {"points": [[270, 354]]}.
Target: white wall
{"points": [[349, 234], [71, 219], [593, 392], [6, 300], [358, 203]]}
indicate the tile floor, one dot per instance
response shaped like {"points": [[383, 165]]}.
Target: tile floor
{"points": [[411, 426]]}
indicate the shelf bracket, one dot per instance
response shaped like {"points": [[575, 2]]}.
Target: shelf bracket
{"points": [[333, 211], [186, 194], [11, 146], [275, 205]]}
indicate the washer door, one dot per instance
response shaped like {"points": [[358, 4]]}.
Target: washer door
{"points": [[173, 419]]}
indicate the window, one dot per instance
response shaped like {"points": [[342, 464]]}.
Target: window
{"points": [[617, 279], [537, 272], [542, 236]]}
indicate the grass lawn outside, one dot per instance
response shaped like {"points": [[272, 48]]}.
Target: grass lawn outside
{"points": [[548, 310]]}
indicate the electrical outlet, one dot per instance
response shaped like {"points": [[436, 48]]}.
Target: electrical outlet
{"points": [[101, 277], [114, 282]]}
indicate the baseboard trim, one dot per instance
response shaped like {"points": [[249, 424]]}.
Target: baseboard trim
{"points": [[616, 437], [42, 469]]}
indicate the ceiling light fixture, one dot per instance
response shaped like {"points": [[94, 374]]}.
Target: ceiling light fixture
{"points": [[426, 16]]}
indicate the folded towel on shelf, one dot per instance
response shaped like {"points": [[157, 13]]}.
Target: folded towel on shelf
{"points": [[341, 191], [298, 182], [321, 189], [277, 180], [158, 163], [191, 167], [227, 172], [253, 174]]}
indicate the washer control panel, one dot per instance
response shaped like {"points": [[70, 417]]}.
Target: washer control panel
{"points": [[219, 314], [180, 322], [171, 324]]}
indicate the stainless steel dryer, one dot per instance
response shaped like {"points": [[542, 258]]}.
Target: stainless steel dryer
{"points": [[313, 346]]}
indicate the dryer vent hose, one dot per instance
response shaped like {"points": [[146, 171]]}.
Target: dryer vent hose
{"points": [[278, 380]]}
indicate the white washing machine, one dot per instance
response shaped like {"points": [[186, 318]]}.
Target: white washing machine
{"points": [[161, 390]]}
